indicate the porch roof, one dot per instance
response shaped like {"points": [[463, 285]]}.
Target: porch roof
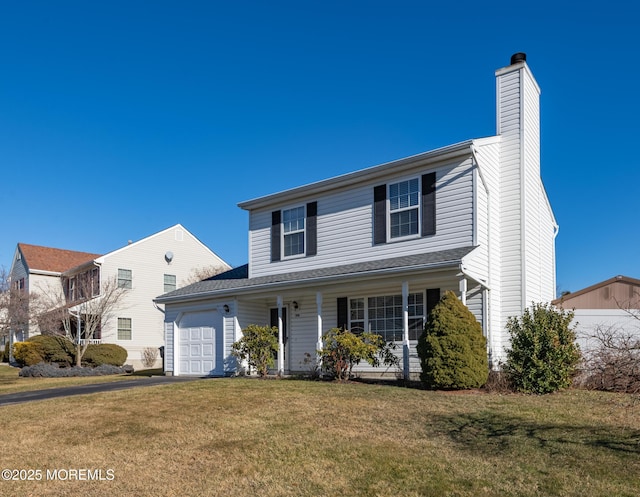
{"points": [[236, 281]]}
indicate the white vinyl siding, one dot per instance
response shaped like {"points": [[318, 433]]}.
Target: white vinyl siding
{"points": [[345, 225]]}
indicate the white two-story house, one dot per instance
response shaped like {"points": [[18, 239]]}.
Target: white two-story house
{"points": [[159, 263], [376, 248]]}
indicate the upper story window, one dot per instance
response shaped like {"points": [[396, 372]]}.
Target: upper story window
{"points": [[19, 285], [169, 283], [124, 278], [404, 207], [293, 231]]}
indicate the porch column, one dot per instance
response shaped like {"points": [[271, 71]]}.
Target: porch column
{"points": [[405, 329], [319, 340], [280, 338], [463, 290]]}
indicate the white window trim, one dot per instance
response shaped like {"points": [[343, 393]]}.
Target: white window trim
{"points": [[118, 330], [129, 280], [367, 321], [391, 239], [303, 231]]}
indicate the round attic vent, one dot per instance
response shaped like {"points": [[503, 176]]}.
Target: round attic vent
{"points": [[168, 256]]}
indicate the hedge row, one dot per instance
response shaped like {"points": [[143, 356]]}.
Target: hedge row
{"points": [[43, 370]]}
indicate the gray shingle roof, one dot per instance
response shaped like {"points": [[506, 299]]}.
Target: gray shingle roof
{"points": [[235, 281]]}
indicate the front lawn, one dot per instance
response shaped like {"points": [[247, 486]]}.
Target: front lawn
{"points": [[10, 382], [300, 438]]}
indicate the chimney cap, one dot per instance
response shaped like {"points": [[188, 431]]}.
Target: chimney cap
{"points": [[518, 57]]}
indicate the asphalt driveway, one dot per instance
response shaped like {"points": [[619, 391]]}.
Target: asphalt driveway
{"points": [[52, 393]]}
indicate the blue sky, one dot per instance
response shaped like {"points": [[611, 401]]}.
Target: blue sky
{"points": [[119, 119]]}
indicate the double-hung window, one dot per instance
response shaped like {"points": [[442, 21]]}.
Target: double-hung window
{"points": [[124, 278], [169, 283], [404, 208], [293, 231], [124, 328], [383, 315]]}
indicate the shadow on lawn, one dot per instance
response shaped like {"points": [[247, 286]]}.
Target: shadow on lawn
{"points": [[490, 431]]}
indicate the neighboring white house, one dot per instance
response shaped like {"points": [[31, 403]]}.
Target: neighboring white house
{"points": [[375, 249], [609, 309], [159, 263]]}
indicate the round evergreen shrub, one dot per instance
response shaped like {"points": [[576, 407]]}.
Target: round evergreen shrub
{"points": [[27, 353], [452, 349], [544, 355], [55, 349], [104, 353]]}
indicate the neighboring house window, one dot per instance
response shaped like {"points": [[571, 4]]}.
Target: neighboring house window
{"points": [[19, 285], [124, 328], [169, 283], [383, 315], [404, 209], [124, 278], [95, 282], [72, 289], [294, 232]]}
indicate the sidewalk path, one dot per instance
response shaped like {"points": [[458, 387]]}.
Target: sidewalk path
{"points": [[52, 393]]}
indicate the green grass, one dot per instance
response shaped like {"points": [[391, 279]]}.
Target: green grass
{"points": [[300, 438]]}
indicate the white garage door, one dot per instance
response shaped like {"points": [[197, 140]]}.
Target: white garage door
{"points": [[197, 350]]}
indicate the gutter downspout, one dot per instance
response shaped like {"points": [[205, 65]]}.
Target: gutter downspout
{"points": [[486, 295]]}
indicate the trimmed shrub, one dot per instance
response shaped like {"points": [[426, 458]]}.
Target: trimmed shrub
{"points": [[5, 353], [343, 349], [544, 355], [55, 349], [104, 353], [43, 370], [452, 349], [258, 347], [27, 353]]}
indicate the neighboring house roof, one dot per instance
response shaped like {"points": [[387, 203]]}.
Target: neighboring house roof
{"points": [[38, 258], [235, 281], [614, 297]]}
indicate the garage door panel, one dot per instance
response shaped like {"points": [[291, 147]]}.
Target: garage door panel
{"points": [[197, 345], [207, 350]]}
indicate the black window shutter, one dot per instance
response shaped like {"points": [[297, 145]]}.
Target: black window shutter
{"points": [[380, 214], [433, 297], [343, 313], [429, 204], [312, 228], [275, 236]]}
